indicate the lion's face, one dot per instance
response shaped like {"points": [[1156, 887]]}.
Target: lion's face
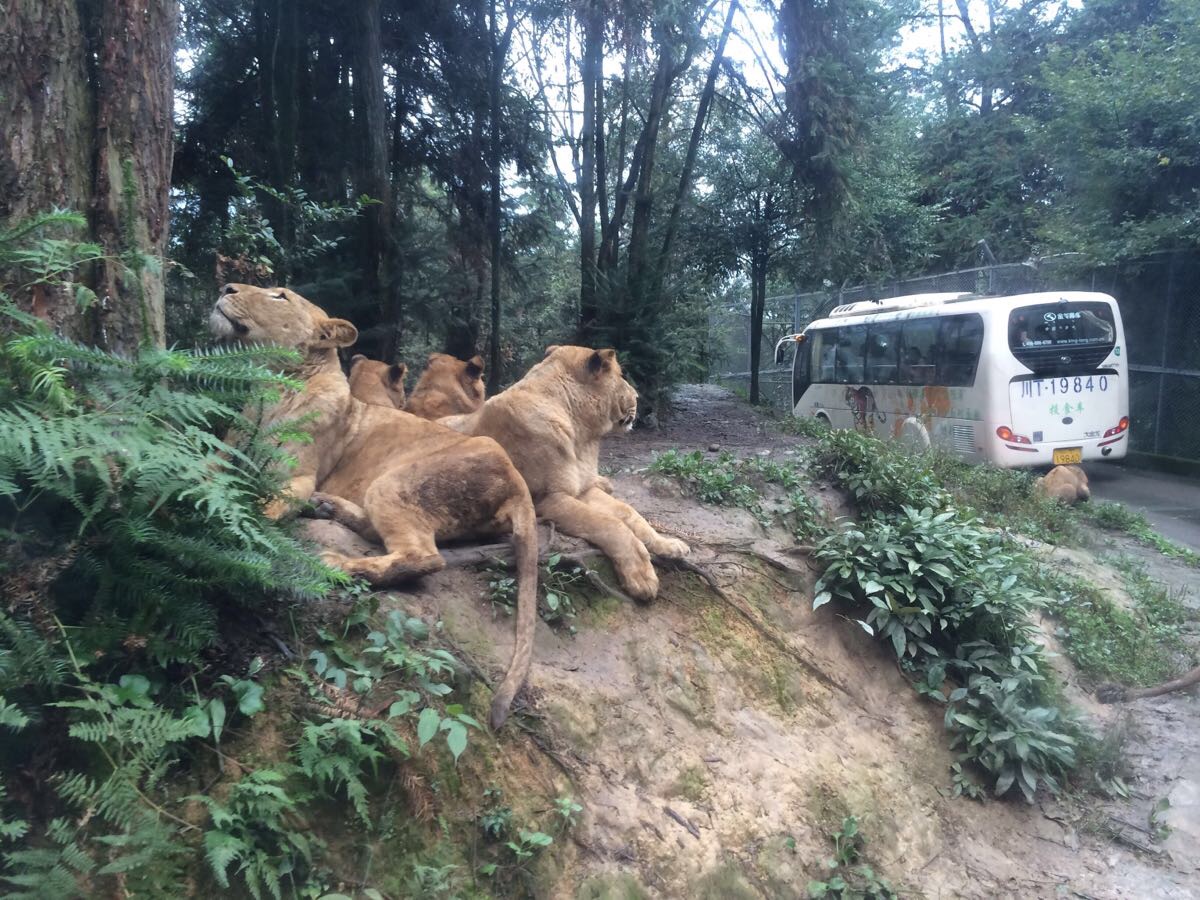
{"points": [[249, 314], [599, 374], [376, 382], [450, 375]]}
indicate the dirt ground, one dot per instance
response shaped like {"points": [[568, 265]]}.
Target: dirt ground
{"points": [[716, 743]]}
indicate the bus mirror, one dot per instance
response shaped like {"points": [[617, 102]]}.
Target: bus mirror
{"points": [[779, 354]]}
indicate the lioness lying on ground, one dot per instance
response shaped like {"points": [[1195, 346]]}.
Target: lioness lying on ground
{"points": [[1066, 484], [387, 475], [447, 387], [551, 422], [376, 382]]}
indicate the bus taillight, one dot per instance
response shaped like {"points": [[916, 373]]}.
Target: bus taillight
{"points": [[1120, 427], [1006, 434]]}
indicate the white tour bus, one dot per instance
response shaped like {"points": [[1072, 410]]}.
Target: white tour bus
{"points": [[1027, 380]]}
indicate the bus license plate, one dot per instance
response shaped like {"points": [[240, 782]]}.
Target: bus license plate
{"points": [[1066, 456], [1068, 386]]}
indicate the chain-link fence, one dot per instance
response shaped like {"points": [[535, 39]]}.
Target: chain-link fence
{"points": [[1159, 297]]}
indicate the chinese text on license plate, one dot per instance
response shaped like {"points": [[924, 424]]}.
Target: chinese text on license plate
{"points": [[1066, 456], [1066, 386]]}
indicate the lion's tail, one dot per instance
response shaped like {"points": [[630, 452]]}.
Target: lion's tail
{"points": [[525, 550]]}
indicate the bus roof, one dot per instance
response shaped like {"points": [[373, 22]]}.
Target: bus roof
{"points": [[962, 302]]}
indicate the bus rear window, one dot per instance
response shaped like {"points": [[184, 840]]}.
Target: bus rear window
{"points": [[1049, 336]]}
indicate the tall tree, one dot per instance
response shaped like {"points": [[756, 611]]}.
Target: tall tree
{"points": [[86, 123], [374, 172]]}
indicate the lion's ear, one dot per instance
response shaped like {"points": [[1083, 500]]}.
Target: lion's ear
{"points": [[474, 367], [334, 333], [356, 359], [396, 372], [551, 349], [601, 360]]}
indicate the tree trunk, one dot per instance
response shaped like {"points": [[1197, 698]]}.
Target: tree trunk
{"points": [[86, 124], [689, 162], [593, 45], [373, 176], [499, 52], [758, 297]]}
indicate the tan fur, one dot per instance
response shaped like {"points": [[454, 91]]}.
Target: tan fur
{"points": [[377, 383], [447, 387], [389, 475], [1066, 484], [551, 422]]}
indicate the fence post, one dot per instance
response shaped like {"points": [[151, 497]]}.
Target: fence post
{"points": [[1162, 361]]}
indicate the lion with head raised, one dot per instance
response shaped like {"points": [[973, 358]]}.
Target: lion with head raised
{"points": [[390, 476], [550, 423]]}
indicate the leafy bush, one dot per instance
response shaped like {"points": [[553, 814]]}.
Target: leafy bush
{"points": [[559, 583], [879, 475]]}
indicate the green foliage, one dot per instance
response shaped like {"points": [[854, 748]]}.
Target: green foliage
{"points": [[1119, 517], [953, 599], [1140, 645], [879, 475], [509, 854], [391, 672], [559, 588], [257, 829], [725, 480], [849, 878]]}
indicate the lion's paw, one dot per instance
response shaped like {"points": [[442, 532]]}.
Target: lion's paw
{"points": [[672, 548], [641, 583]]}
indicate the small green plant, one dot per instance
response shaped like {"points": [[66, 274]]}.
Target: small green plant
{"points": [[1159, 829], [496, 820], [257, 829], [848, 877], [1118, 517], [568, 812], [804, 426], [559, 583]]}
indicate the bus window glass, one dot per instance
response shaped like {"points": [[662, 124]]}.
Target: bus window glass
{"points": [[822, 345], [801, 370], [918, 351], [882, 346], [962, 338], [1051, 338], [851, 351]]}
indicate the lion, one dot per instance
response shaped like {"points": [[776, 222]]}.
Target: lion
{"points": [[376, 382], [551, 422], [1066, 484], [388, 475], [447, 387]]}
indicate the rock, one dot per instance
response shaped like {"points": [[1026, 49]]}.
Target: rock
{"points": [[714, 448]]}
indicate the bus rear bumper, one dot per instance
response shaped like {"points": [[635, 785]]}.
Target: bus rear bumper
{"points": [[1014, 456]]}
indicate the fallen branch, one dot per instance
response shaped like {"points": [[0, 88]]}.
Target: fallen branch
{"points": [[1115, 693], [691, 829]]}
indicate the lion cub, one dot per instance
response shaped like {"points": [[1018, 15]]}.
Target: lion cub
{"points": [[1066, 484], [447, 387], [550, 423], [376, 382]]}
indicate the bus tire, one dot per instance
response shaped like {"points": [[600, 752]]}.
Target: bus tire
{"points": [[914, 436]]}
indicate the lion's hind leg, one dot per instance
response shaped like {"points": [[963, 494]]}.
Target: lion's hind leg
{"points": [[405, 530], [345, 513], [629, 555], [658, 544]]}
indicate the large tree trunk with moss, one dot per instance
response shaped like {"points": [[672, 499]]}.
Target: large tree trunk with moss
{"points": [[86, 124]]}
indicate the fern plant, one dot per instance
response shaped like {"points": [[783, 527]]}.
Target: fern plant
{"points": [[131, 527]]}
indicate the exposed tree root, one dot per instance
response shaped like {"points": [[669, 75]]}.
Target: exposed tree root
{"points": [[1115, 693]]}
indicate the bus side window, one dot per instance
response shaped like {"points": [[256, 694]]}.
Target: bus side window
{"points": [[962, 339], [881, 353], [822, 345], [918, 351], [851, 352]]}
